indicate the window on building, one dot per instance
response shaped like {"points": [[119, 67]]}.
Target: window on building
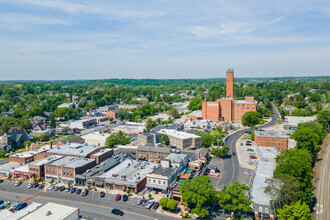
{"points": [[63, 172], [260, 209], [266, 210], [154, 181], [163, 182], [70, 174], [158, 181]]}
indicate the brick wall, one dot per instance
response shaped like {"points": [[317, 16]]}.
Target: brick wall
{"points": [[280, 143]]}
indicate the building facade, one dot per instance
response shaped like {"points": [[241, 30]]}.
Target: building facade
{"points": [[228, 109], [271, 138]]}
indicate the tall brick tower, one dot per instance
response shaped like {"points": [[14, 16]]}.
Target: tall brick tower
{"points": [[230, 83]]}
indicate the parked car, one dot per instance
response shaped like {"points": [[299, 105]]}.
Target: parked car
{"points": [[67, 189], [62, 188], [84, 192], [248, 144], [18, 182], [149, 204], [156, 205], [78, 191], [139, 201], [253, 158], [56, 188], [2, 206], [125, 197], [118, 197], [18, 207], [52, 187], [102, 194], [144, 202], [117, 212], [250, 149], [1, 201], [29, 185], [35, 185], [1, 180], [234, 153], [41, 186], [73, 190]]}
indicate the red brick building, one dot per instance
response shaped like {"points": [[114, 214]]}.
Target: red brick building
{"points": [[228, 109], [271, 138]]}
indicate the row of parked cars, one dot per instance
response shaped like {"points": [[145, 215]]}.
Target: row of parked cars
{"points": [[75, 190], [35, 185], [147, 203]]}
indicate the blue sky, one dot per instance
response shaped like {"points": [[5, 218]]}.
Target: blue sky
{"points": [[66, 39]]}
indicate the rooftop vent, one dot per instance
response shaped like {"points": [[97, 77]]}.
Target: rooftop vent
{"points": [[48, 213]]}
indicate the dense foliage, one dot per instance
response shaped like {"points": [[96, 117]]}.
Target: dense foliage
{"points": [[117, 139]]}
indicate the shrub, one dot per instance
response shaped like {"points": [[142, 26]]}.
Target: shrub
{"points": [[172, 204], [163, 202], [128, 191]]}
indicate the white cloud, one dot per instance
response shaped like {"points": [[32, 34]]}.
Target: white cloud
{"points": [[277, 20]]}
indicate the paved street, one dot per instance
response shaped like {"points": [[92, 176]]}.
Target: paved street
{"points": [[230, 170], [91, 204]]}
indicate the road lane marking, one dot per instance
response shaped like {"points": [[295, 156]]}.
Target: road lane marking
{"points": [[72, 201]]}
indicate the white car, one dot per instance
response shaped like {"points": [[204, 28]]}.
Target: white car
{"points": [[29, 186], [52, 187], [18, 182], [149, 204]]}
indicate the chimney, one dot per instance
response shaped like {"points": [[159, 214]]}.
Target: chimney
{"points": [[230, 83], [50, 145]]}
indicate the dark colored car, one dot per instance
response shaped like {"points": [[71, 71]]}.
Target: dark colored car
{"points": [[117, 212], [102, 194], [18, 207], [35, 185], [62, 188], [1, 201], [41, 186], [144, 202], [1, 180], [248, 144], [125, 197], [67, 189], [56, 188], [118, 197], [73, 190], [84, 192], [78, 191], [234, 153], [156, 205]]}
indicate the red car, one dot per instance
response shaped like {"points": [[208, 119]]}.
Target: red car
{"points": [[118, 197], [253, 157]]}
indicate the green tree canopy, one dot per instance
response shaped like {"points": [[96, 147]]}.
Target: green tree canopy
{"points": [[220, 152], [283, 188], [197, 193], [66, 113], [2, 153], [297, 163], [296, 211], [117, 139], [163, 202], [195, 104], [165, 139], [172, 204], [323, 117], [233, 197], [251, 118]]}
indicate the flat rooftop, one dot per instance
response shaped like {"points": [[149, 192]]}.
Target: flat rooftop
{"points": [[267, 152], [24, 212], [31, 153], [57, 212], [154, 149], [10, 166], [72, 162], [297, 120], [130, 171], [23, 169], [102, 167], [45, 160], [103, 151], [243, 102], [96, 136], [178, 134], [271, 133], [74, 149], [197, 113], [129, 127], [176, 158], [264, 171], [163, 171]]}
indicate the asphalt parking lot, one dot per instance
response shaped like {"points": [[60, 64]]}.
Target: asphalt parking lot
{"points": [[216, 180]]}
